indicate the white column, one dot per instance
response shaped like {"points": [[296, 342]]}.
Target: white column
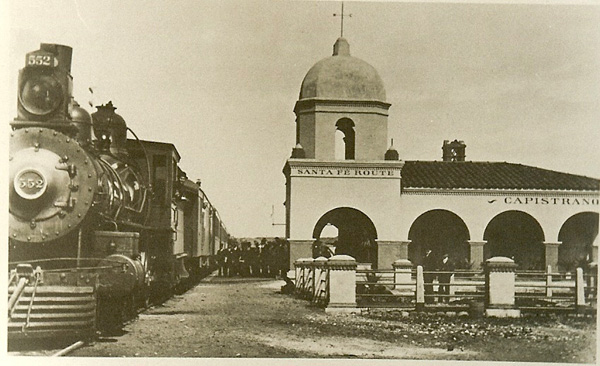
{"points": [[420, 295], [580, 288]]}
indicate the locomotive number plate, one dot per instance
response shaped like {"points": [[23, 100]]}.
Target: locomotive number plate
{"points": [[42, 60], [30, 184]]}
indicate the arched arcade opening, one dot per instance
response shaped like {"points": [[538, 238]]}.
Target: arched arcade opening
{"points": [[516, 235], [356, 233], [442, 232], [577, 236]]}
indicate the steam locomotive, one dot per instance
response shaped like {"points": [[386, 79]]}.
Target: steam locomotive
{"points": [[99, 224]]}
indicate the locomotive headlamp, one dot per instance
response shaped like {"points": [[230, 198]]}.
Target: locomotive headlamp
{"points": [[41, 95], [45, 87]]}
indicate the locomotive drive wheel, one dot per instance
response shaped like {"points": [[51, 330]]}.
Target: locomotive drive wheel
{"points": [[52, 185]]}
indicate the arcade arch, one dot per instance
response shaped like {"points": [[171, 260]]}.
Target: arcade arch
{"points": [[356, 233], [517, 235], [577, 235], [442, 232]]}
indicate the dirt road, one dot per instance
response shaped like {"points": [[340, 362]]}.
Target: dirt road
{"points": [[237, 317]]}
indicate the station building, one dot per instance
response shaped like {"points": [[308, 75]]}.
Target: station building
{"points": [[344, 173]]}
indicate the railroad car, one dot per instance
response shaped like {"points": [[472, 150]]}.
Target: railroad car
{"points": [[99, 224]]}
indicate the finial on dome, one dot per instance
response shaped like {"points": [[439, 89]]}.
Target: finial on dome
{"points": [[341, 47]]}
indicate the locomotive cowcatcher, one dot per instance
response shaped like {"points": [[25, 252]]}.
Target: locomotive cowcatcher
{"points": [[96, 220]]}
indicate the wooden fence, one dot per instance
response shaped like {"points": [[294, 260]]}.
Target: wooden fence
{"points": [[411, 288]]}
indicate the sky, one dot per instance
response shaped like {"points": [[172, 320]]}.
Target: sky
{"points": [[219, 79]]}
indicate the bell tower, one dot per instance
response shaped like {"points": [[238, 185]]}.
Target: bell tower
{"points": [[341, 167], [342, 113]]}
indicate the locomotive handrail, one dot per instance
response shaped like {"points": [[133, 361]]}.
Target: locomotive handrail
{"points": [[149, 175], [12, 278], [106, 167], [57, 259], [113, 264], [12, 302], [83, 268], [138, 226], [35, 285]]}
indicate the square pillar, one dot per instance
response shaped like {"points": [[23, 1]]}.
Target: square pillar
{"points": [[476, 253], [387, 253], [500, 288], [342, 284], [300, 249], [403, 274], [551, 250], [403, 254]]}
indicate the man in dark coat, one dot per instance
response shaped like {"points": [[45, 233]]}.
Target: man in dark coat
{"points": [[220, 258], [446, 268]]}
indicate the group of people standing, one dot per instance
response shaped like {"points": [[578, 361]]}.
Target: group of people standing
{"points": [[245, 259], [444, 269]]}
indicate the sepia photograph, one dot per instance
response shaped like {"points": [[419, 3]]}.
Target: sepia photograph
{"points": [[301, 182]]}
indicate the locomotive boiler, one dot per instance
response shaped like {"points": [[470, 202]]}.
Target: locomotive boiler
{"points": [[98, 223]]}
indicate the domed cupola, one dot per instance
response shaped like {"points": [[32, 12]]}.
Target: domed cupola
{"points": [[342, 110], [342, 76]]}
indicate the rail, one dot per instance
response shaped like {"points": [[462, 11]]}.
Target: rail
{"points": [[320, 295], [554, 291], [419, 289], [412, 288]]}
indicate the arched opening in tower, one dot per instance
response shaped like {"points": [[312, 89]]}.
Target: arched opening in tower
{"points": [[516, 235], [577, 236], [356, 234], [345, 143]]}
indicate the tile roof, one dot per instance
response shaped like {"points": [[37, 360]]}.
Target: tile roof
{"points": [[490, 175]]}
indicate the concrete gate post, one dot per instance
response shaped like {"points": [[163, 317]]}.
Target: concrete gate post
{"points": [[402, 274], [476, 253], [342, 284], [500, 288]]}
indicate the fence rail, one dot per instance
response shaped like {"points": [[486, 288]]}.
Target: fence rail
{"points": [[414, 289]]}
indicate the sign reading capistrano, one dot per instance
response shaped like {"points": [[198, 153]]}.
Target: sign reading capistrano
{"points": [[509, 200]]}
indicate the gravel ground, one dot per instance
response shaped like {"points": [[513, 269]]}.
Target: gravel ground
{"points": [[237, 317]]}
